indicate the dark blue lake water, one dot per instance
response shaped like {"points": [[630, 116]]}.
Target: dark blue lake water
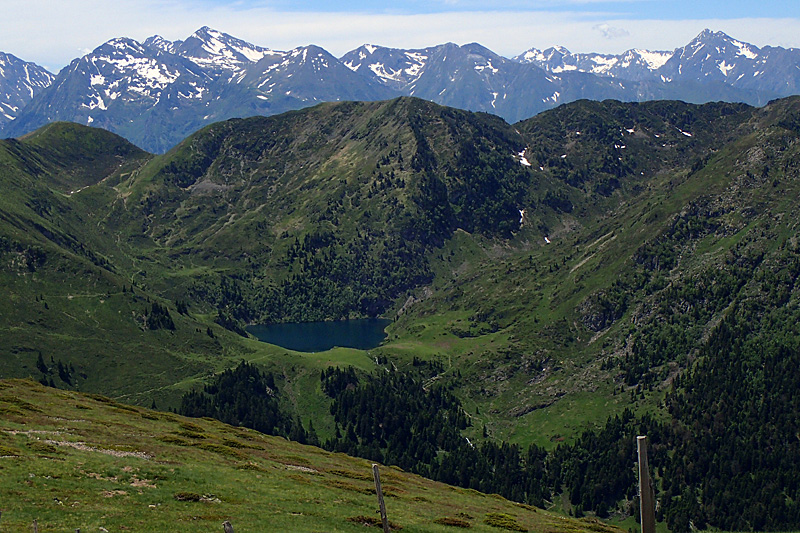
{"points": [[362, 334]]}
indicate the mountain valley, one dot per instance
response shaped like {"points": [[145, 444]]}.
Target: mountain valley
{"points": [[601, 259]]}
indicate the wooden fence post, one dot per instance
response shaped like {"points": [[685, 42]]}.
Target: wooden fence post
{"points": [[227, 527], [379, 492], [647, 512], [35, 526]]}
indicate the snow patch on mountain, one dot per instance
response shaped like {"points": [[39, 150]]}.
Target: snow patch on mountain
{"points": [[745, 50], [724, 67], [654, 60]]}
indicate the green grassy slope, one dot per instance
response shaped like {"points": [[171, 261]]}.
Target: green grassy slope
{"points": [[73, 461]]}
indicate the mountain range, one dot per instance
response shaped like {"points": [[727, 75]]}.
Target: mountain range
{"points": [[157, 92], [561, 283]]}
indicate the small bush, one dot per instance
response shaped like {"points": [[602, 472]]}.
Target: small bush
{"points": [[42, 447], [251, 466], [296, 459], [172, 439], [125, 408], [363, 476], [20, 403], [503, 521], [343, 485], [222, 450], [100, 398], [187, 496], [372, 521], [188, 426], [193, 435], [526, 507], [8, 452], [450, 521]]}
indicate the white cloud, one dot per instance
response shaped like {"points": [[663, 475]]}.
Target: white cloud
{"points": [[52, 33], [611, 32]]}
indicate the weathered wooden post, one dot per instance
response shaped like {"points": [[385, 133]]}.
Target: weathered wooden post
{"points": [[35, 526], [227, 527], [647, 511], [379, 492]]}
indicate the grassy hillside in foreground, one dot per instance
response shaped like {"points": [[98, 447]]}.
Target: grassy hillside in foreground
{"points": [[74, 461]]}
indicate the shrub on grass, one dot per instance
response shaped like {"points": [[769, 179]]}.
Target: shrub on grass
{"points": [[503, 521], [450, 521]]}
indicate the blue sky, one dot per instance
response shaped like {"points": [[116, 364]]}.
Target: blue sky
{"points": [[635, 9], [52, 33]]}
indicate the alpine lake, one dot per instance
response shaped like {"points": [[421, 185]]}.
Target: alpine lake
{"points": [[361, 334]]}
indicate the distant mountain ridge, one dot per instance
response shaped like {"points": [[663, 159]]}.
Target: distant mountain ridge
{"points": [[709, 57], [157, 92]]}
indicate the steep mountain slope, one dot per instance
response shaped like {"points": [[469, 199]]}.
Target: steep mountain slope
{"points": [[547, 315], [326, 213], [683, 281], [89, 462], [66, 296], [20, 81]]}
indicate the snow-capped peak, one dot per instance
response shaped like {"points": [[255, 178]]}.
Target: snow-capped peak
{"points": [[20, 81], [634, 64], [216, 50], [157, 42], [391, 66]]}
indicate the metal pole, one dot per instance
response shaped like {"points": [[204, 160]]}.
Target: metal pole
{"points": [[647, 512]]}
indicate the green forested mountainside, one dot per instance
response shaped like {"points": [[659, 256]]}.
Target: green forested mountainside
{"points": [[550, 274], [321, 214]]}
